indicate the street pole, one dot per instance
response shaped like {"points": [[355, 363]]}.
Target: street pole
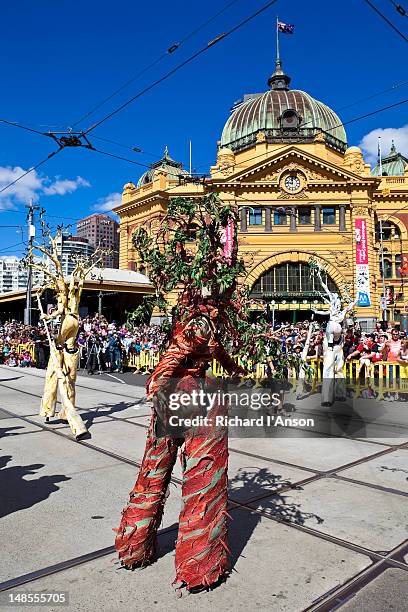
{"points": [[383, 271], [31, 234]]}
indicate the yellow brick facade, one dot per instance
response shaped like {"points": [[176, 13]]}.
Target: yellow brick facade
{"points": [[254, 180]]}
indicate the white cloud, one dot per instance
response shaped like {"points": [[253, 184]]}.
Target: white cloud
{"points": [[25, 189], [63, 186], [108, 202], [33, 186], [369, 143]]}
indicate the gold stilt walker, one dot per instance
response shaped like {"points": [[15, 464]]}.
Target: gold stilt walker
{"points": [[64, 355]]}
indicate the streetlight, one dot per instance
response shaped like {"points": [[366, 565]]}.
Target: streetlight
{"points": [[383, 271], [273, 304], [31, 234]]}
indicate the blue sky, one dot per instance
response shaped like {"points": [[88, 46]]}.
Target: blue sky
{"points": [[61, 58]]}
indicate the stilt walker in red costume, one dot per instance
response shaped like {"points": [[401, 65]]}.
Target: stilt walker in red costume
{"points": [[209, 313]]}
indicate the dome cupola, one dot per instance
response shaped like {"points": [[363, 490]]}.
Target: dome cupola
{"points": [[167, 165], [284, 115], [393, 164]]}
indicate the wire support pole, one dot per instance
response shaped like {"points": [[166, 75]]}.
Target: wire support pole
{"points": [[31, 233]]}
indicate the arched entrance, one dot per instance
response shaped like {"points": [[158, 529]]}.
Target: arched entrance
{"points": [[291, 290]]}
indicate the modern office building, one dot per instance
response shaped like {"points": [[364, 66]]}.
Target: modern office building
{"points": [[101, 230], [70, 247], [14, 276]]}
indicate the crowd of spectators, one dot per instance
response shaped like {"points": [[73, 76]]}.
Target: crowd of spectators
{"points": [[381, 345], [16, 339], [105, 346]]}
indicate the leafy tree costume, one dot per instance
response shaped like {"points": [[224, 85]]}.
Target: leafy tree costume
{"points": [[195, 251]]}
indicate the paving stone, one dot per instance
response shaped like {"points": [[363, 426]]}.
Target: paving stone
{"points": [[276, 568], [312, 452], [143, 419], [15, 426], [391, 471], [56, 423], [18, 403], [279, 568], [389, 591], [121, 438], [60, 500], [385, 422], [367, 517], [250, 478]]}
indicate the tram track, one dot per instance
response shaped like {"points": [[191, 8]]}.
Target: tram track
{"points": [[299, 411], [338, 596], [379, 560], [19, 581], [317, 474]]}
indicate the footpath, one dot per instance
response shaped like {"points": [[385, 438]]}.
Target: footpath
{"points": [[317, 522]]}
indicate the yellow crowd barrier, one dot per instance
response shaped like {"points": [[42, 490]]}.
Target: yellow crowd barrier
{"points": [[143, 362], [382, 376], [21, 348]]}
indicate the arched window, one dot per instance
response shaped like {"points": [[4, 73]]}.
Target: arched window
{"points": [[291, 280], [390, 230]]}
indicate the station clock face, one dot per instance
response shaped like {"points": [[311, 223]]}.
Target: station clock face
{"points": [[292, 183]]}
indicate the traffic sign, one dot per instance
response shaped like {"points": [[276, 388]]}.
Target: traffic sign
{"points": [[383, 303]]}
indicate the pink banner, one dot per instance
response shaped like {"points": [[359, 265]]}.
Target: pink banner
{"points": [[361, 242], [229, 240], [362, 270]]}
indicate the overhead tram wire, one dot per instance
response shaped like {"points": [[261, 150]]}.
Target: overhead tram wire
{"points": [[400, 9], [13, 246], [43, 161], [128, 147], [177, 175], [378, 110], [14, 124], [22, 127], [374, 95], [187, 61], [131, 161], [169, 51], [145, 90], [156, 156], [374, 8], [174, 174], [48, 134]]}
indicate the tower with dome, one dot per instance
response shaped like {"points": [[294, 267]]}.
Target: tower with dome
{"points": [[301, 192]]}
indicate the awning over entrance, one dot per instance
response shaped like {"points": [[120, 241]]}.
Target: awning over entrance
{"points": [[109, 290]]}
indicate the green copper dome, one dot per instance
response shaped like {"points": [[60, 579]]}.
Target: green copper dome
{"points": [[284, 115], [166, 164], [393, 164]]}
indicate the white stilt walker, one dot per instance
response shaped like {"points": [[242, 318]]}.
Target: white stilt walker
{"points": [[333, 359]]}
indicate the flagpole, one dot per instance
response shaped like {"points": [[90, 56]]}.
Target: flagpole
{"points": [[277, 38], [380, 155]]}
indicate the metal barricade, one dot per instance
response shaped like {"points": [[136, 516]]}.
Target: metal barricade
{"points": [[382, 376]]}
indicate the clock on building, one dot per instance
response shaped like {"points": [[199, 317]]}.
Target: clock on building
{"points": [[292, 183]]}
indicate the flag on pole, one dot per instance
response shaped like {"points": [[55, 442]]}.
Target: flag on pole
{"points": [[379, 155], [285, 28]]}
